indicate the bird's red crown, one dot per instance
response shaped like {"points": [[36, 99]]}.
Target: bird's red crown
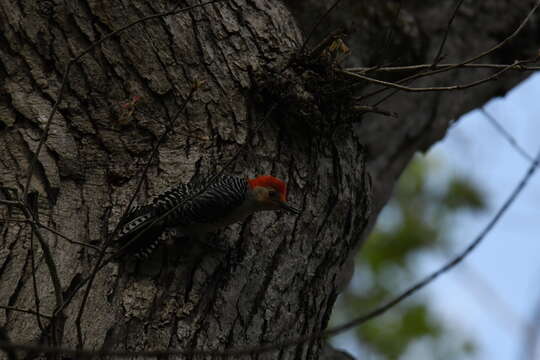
{"points": [[272, 182]]}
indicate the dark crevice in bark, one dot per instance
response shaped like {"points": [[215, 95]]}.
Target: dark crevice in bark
{"points": [[259, 297], [10, 257], [40, 174], [21, 281]]}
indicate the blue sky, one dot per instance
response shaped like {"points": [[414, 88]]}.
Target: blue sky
{"points": [[491, 297]]}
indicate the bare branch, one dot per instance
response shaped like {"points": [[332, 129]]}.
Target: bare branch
{"points": [[47, 255], [364, 70], [321, 19], [33, 162], [504, 133], [37, 299], [62, 236], [468, 61], [427, 89], [53, 273], [502, 210], [438, 57], [27, 311], [507, 39]]}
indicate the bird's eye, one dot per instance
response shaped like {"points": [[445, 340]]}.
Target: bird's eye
{"points": [[273, 194]]}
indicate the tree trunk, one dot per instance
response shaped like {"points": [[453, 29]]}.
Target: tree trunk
{"points": [[275, 276]]}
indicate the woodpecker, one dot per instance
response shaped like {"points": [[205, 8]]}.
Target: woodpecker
{"points": [[196, 209]]}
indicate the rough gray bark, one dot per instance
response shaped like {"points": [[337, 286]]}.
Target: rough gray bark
{"points": [[280, 275]]}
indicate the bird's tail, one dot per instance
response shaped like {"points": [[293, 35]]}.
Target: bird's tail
{"points": [[139, 232]]}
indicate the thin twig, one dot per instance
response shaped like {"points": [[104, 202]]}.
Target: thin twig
{"points": [[507, 39], [502, 210], [518, 64], [47, 256], [468, 61], [321, 19], [71, 241], [365, 70], [35, 289], [53, 273], [438, 57], [389, 34], [27, 311], [425, 89], [504, 133], [33, 162]]}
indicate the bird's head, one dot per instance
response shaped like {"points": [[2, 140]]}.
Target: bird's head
{"points": [[271, 193]]}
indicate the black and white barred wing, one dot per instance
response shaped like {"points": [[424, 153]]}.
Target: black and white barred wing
{"points": [[179, 207], [201, 203]]}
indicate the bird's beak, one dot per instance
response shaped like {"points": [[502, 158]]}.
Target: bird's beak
{"points": [[289, 208]]}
